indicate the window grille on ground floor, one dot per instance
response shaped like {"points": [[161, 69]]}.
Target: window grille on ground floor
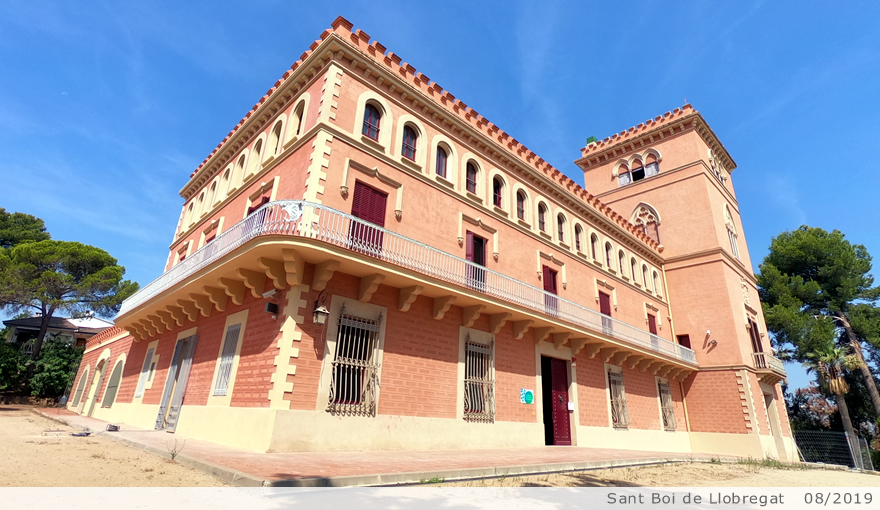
{"points": [[355, 381], [619, 415], [224, 372], [479, 382], [666, 408]]}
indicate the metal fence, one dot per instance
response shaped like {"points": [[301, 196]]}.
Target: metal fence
{"points": [[833, 448], [315, 221]]}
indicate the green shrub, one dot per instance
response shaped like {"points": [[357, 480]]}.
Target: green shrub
{"points": [[12, 367], [52, 370], [875, 459]]}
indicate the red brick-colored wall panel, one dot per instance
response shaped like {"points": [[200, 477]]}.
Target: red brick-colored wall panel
{"points": [[714, 403], [643, 402], [592, 392], [514, 370]]}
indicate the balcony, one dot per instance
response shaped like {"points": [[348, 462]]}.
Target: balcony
{"points": [[770, 369], [314, 227]]}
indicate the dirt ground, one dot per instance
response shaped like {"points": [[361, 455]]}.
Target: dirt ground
{"points": [[36, 451], [32, 454], [688, 475]]}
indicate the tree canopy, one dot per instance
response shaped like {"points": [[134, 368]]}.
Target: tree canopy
{"points": [[16, 228], [816, 288], [49, 276]]}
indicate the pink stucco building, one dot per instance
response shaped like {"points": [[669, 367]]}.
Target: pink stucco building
{"points": [[366, 262]]}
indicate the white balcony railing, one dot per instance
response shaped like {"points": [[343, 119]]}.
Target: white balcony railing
{"points": [[321, 223], [766, 360]]}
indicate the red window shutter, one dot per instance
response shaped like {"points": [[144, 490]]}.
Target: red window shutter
{"points": [[368, 204], [652, 324], [605, 304], [357, 200], [469, 246], [549, 280]]}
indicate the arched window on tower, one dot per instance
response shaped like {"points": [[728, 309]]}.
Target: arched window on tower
{"points": [[521, 205], [560, 227], [442, 159], [542, 217], [578, 233], [646, 218], [471, 177], [731, 231], [609, 255], [497, 189], [408, 147], [594, 246]]}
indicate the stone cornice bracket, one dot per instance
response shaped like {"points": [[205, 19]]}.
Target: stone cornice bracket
{"points": [[408, 296], [634, 360], [559, 339], [470, 314], [541, 334], [148, 327], [520, 328], [177, 313], [592, 349], [293, 266], [189, 308], [217, 296], [655, 367], [204, 304], [606, 353], [254, 280], [323, 273], [620, 357], [369, 284], [275, 271], [157, 323], [441, 306], [497, 321], [166, 319], [235, 289], [577, 344]]}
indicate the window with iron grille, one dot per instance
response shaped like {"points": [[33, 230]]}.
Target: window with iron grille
{"points": [[354, 383], [227, 356], [479, 381], [619, 414], [667, 410]]}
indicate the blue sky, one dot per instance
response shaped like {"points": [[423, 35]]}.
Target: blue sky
{"points": [[107, 108]]}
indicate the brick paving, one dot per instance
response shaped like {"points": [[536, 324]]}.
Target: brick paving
{"points": [[367, 467]]}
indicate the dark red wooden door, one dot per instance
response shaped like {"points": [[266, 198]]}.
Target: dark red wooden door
{"points": [[559, 401], [551, 303], [652, 324], [367, 204]]}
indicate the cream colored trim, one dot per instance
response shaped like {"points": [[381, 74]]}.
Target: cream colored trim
{"points": [[566, 240], [481, 175], [506, 202], [598, 282], [421, 142], [226, 186], [84, 380], [147, 376], [275, 148], [606, 368], [292, 135], [319, 161], [550, 218], [525, 222], [386, 122], [376, 173], [477, 336], [462, 218], [290, 334], [226, 400], [215, 225], [649, 307], [119, 359], [262, 189], [255, 162], [239, 171], [552, 258], [353, 307], [330, 93]]}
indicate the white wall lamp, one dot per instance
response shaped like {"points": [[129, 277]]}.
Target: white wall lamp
{"points": [[320, 313]]}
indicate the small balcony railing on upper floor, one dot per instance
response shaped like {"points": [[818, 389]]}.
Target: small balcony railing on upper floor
{"points": [[767, 361], [321, 223]]}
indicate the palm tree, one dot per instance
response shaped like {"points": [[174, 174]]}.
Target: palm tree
{"points": [[830, 362]]}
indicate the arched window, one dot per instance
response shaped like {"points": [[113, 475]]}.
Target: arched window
{"points": [[638, 171], [609, 255], [200, 207], [408, 149], [621, 261], [646, 218], [471, 177], [224, 182], [298, 115], [113, 385], [372, 119], [652, 167], [80, 387], [239, 170], [645, 278], [212, 194], [657, 285], [542, 216], [560, 227], [442, 159], [633, 265], [594, 246], [521, 205], [578, 233], [190, 217], [731, 231], [497, 188], [623, 176], [255, 157], [275, 138]]}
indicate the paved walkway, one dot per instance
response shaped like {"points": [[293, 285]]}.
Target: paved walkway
{"points": [[246, 468]]}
